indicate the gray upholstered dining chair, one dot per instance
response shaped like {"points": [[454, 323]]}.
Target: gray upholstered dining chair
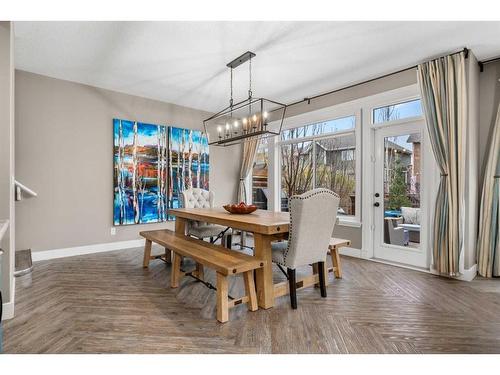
{"points": [[200, 198], [312, 219]]}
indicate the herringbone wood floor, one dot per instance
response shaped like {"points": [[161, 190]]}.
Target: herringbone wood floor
{"points": [[107, 303]]}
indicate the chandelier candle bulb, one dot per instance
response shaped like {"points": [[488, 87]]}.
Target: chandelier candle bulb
{"points": [[244, 121], [219, 130]]}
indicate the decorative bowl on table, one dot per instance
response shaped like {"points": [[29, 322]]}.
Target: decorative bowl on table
{"points": [[240, 209]]}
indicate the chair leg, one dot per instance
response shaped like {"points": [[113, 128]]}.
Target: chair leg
{"points": [[147, 254], [176, 270], [322, 278], [222, 298], [293, 287], [229, 241], [250, 290]]}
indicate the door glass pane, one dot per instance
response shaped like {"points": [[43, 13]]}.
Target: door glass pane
{"points": [[296, 170], [401, 203], [336, 170]]}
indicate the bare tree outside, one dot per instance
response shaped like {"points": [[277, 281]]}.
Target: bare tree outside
{"points": [[334, 165]]}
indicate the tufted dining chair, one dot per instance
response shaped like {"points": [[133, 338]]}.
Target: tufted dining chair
{"points": [[200, 198], [312, 218]]}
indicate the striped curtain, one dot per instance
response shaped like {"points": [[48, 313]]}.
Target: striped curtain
{"points": [[442, 85], [248, 155], [489, 219]]}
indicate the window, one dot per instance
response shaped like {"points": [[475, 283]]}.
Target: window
{"points": [[320, 128], [398, 111], [296, 170], [320, 155], [347, 155], [260, 173]]}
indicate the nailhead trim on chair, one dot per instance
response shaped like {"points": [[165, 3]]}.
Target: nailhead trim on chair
{"points": [[306, 195]]}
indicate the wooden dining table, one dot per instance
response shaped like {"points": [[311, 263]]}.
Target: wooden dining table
{"points": [[266, 226]]}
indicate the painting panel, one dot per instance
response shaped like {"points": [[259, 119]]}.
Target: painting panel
{"points": [[140, 172], [189, 163]]}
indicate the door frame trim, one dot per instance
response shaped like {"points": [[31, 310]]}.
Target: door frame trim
{"points": [[417, 258]]}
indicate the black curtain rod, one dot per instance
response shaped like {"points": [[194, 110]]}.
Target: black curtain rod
{"points": [[483, 63], [308, 99]]}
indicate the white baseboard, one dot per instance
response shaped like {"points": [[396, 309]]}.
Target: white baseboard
{"points": [[8, 307], [468, 274], [82, 250], [8, 310], [350, 251]]}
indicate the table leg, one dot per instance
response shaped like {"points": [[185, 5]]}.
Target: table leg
{"points": [[264, 275], [147, 254], [180, 225]]}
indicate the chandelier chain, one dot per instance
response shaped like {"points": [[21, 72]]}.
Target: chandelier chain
{"points": [[250, 79], [231, 84]]}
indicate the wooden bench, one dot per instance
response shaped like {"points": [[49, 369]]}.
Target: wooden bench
{"points": [[225, 262], [333, 247]]}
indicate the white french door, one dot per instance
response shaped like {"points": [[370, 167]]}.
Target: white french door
{"points": [[403, 181]]}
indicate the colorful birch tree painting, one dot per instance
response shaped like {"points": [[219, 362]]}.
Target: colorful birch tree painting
{"points": [[140, 172], [189, 163]]}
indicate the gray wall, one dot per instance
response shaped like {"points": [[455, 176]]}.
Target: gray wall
{"points": [[7, 157], [64, 152]]}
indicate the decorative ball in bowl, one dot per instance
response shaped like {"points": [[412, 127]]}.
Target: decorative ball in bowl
{"points": [[240, 209]]}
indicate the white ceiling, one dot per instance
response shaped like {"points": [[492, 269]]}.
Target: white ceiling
{"points": [[185, 62]]}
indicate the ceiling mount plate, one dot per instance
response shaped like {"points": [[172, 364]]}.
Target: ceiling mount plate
{"points": [[241, 59]]}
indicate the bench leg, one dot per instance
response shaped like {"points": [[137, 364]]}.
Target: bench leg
{"points": [[176, 271], [222, 298], [147, 254], [334, 252], [250, 290]]}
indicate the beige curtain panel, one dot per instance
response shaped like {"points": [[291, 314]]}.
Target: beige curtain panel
{"points": [[489, 219], [442, 85], [249, 152]]}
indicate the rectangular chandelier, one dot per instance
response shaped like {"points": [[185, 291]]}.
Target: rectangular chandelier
{"points": [[248, 119], [251, 118]]}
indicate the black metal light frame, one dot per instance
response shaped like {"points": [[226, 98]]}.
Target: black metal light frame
{"points": [[259, 131], [263, 132]]}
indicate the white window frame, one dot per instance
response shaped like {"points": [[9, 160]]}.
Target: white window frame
{"points": [[318, 116]]}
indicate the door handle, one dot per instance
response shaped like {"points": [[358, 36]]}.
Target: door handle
{"points": [[376, 204]]}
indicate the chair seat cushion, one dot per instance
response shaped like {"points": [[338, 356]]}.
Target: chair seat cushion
{"points": [[206, 230], [278, 251]]}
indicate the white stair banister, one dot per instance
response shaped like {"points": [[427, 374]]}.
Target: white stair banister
{"points": [[22, 189]]}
